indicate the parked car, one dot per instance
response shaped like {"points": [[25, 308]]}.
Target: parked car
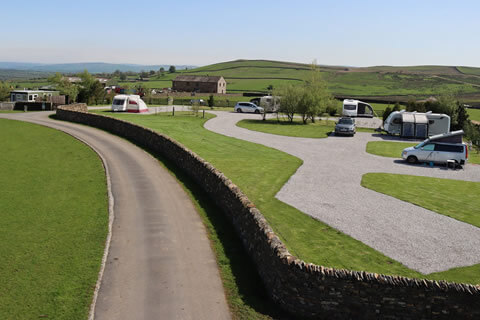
{"points": [[345, 126], [248, 107], [439, 149], [200, 102]]}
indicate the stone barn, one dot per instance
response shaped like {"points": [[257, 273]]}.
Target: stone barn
{"points": [[201, 84]]}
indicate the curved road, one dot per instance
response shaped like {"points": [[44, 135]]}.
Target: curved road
{"points": [[327, 187], [160, 264]]}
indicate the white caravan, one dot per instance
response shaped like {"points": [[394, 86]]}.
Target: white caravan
{"points": [[416, 124], [268, 103], [356, 108], [129, 102]]}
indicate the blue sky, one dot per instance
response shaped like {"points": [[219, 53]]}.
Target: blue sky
{"points": [[354, 33]]}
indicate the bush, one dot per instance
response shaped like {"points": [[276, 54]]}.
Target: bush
{"points": [[211, 101], [331, 110]]}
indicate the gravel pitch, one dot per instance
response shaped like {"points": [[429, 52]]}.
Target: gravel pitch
{"points": [[327, 187]]}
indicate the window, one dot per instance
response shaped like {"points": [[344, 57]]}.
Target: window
{"points": [[30, 97], [349, 107], [428, 147], [449, 148], [397, 121]]}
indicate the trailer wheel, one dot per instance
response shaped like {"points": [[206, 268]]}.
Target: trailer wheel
{"points": [[412, 159]]}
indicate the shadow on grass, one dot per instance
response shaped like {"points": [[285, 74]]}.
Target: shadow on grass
{"points": [[244, 288]]}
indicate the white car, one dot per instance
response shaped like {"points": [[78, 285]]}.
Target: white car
{"points": [[248, 107]]}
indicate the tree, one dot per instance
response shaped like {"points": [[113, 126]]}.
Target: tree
{"points": [[91, 90], [172, 69], [4, 90], [291, 96], [64, 86], [152, 72], [123, 76], [161, 70], [211, 101]]}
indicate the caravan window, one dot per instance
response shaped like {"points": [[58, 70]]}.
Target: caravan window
{"points": [[350, 107], [118, 102], [397, 121]]}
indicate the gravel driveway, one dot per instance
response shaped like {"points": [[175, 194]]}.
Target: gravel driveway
{"points": [[327, 187]]}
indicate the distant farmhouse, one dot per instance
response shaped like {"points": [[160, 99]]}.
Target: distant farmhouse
{"points": [[204, 84]]}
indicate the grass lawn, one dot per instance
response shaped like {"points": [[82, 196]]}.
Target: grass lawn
{"points": [[319, 129], [474, 114], [394, 150], [310, 239], [435, 193], [53, 223]]}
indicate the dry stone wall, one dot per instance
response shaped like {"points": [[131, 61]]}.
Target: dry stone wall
{"points": [[300, 288]]}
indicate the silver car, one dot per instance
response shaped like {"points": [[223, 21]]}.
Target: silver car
{"points": [[247, 107], [436, 152], [345, 126]]}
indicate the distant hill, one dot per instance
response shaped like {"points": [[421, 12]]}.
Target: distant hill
{"points": [[92, 67]]}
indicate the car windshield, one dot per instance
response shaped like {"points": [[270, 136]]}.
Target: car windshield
{"points": [[345, 121], [419, 145], [349, 107]]}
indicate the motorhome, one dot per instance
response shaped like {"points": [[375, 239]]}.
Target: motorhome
{"points": [[416, 124], [129, 103], [268, 103], [356, 108]]}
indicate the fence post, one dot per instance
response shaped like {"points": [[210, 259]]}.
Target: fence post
{"points": [[203, 113], [173, 111]]}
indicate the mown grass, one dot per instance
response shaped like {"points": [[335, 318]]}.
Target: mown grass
{"points": [[474, 114], [305, 237], [53, 223], [394, 150], [453, 198], [319, 129]]}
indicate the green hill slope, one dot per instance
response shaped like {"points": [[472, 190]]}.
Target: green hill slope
{"points": [[383, 81]]}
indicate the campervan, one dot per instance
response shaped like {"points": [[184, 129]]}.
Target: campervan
{"points": [[130, 103], [416, 124], [268, 103], [356, 108], [440, 148]]}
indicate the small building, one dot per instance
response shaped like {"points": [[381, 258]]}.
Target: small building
{"points": [[204, 84], [31, 95]]}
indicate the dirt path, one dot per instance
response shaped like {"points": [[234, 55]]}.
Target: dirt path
{"points": [[327, 187], [160, 264]]}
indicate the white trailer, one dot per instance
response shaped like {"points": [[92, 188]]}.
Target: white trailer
{"points": [[356, 108], [268, 103], [129, 102], [416, 124]]}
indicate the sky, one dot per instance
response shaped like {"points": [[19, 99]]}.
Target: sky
{"points": [[347, 33]]}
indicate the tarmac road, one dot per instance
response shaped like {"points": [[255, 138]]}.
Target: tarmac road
{"points": [[160, 264]]}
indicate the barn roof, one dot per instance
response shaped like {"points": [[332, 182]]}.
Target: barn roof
{"points": [[198, 78]]}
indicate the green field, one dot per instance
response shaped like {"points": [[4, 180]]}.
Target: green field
{"points": [[474, 114], [310, 240], [469, 70], [53, 223]]}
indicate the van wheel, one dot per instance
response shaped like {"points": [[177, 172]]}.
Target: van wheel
{"points": [[239, 110], [412, 159], [257, 111]]}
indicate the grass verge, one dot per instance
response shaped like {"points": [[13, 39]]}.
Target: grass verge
{"points": [[435, 192], [319, 129], [53, 223], [310, 239]]}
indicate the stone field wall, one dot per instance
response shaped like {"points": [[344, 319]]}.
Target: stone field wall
{"points": [[299, 288]]}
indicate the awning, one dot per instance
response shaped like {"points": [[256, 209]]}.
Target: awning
{"points": [[421, 118], [408, 117]]}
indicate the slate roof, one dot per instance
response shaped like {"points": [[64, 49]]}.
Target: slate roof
{"points": [[198, 78]]}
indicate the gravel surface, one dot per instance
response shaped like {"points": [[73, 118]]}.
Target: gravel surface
{"points": [[327, 187]]}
